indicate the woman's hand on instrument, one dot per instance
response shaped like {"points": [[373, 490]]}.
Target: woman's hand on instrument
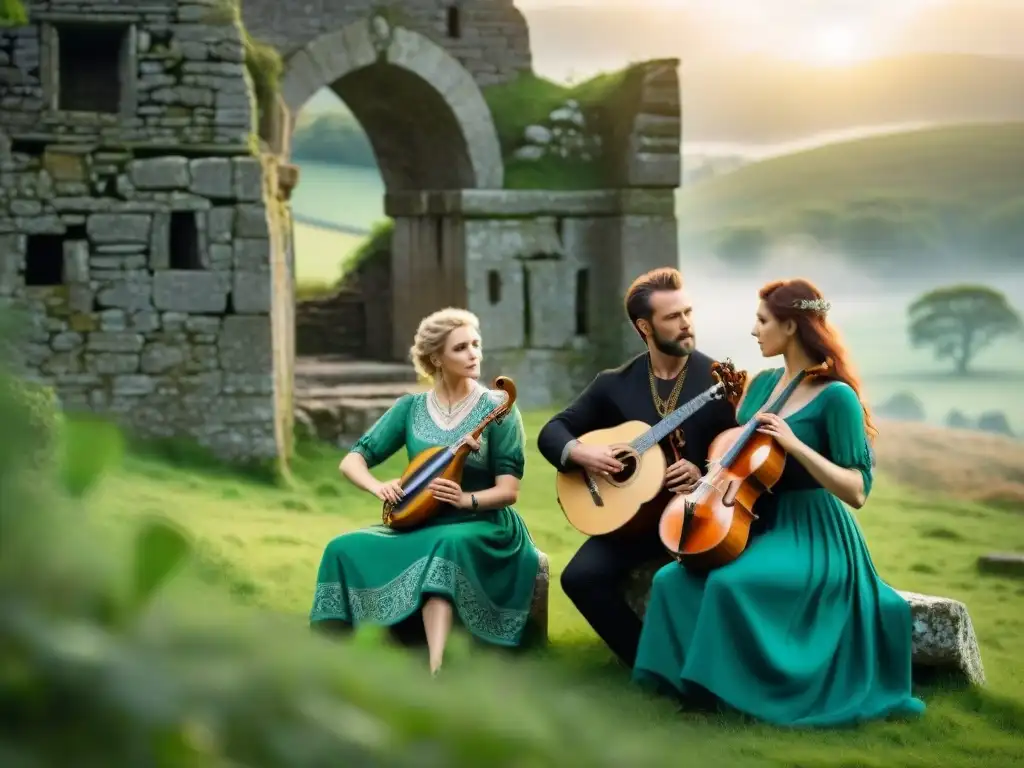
{"points": [[449, 492], [390, 492], [682, 477], [472, 442], [599, 459], [778, 430]]}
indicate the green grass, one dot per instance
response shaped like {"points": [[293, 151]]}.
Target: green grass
{"points": [[529, 100], [322, 256], [261, 545], [953, 180]]}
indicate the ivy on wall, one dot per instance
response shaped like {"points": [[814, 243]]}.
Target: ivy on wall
{"points": [[12, 13]]}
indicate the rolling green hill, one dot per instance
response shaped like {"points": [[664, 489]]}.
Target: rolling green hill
{"points": [[947, 188]]}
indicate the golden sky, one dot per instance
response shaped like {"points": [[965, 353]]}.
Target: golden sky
{"points": [[824, 32]]}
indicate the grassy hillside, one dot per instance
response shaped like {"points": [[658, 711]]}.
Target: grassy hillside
{"points": [[940, 188], [262, 546]]}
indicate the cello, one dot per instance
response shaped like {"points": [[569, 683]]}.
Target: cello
{"points": [[710, 526], [418, 504]]}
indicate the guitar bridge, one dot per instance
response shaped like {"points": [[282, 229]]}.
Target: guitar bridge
{"points": [[595, 493]]}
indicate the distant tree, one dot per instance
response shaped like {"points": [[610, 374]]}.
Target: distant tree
{"points": [[333, 137], [959, 321], [742, 245]]}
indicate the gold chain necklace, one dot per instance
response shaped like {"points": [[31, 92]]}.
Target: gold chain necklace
{"points": [[666, 406]]}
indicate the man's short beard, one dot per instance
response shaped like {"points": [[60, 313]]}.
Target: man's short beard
{"points": [[669, 347]]}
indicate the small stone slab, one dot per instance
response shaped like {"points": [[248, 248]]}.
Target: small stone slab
{"points": [[943, 634], [1002, 564], [539, 608]]}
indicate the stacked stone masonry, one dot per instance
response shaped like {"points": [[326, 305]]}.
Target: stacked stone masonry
{"points": [[134, 231], [490, 38]]}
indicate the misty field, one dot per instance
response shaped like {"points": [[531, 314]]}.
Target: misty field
{"points": [[963, 167], [260, 545]]}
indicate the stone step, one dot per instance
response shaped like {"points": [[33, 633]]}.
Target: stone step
{"points": [[334, 371], [358, 391], [339, 421]]}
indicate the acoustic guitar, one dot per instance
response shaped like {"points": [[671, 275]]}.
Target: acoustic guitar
{"points": [[596, 505], [418, 504]]}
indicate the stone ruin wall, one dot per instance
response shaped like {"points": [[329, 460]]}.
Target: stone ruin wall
{"points": [[490, 38], [135, 224]]}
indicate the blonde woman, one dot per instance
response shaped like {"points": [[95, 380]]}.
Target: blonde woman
{"points": [[476, 560]]}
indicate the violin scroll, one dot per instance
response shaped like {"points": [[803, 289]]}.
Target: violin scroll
{"points": [[733, 382], [506, 385]]}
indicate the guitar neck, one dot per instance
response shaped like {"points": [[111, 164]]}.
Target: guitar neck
{"points": [[664, 428]]}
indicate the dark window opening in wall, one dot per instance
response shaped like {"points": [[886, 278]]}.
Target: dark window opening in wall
{"points": [[439, 240], [493, 286], [184, 243], [454, 22], [44, 260], [582, 305], [90, 60]]}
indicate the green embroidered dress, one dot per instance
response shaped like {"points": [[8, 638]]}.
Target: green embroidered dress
{"points": [[800, 629], [483, 561]]}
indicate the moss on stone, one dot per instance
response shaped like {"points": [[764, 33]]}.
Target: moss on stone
{"points": [[12, 13], [265, 67], [608, 104], [377, 244]]}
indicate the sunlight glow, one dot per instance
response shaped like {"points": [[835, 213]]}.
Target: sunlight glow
{"points": [[836, 45]]}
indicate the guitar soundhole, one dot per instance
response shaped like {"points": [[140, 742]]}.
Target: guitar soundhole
{"points": [[629, 465]]}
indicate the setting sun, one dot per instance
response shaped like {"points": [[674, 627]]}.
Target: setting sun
{"points": [[835, 45]]}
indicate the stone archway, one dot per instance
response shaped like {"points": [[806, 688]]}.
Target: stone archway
{"points": [[421, 109], [431, 130]]}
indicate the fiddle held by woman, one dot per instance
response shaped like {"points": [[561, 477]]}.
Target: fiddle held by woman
{"points": [[800, 629], [475, 560]]}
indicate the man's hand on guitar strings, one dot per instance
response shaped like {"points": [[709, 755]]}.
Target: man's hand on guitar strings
{"points": [[599, 459], [682, 477]]}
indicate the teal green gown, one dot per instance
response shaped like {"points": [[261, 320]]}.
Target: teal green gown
{"points": [[800, 630], [484, 562]]}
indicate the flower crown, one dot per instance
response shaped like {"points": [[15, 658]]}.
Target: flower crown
{"points": [[812, 305]]}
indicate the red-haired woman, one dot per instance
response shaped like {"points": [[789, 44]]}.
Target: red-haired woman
{"points": [[800, 630]]}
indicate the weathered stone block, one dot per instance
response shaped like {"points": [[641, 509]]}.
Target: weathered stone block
{"points": [[76, 261], [159, 173], [126, 294], [161, 358], [64, 166], [160, 242], [251, 221], [251, 292], [115, 341], [188, 291], [132, 385], [248, 179], [112, 363], [220, 224], [252, 255], [943, 634], [245, 345], [119, 227], [212, 177], [539, 607]]}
